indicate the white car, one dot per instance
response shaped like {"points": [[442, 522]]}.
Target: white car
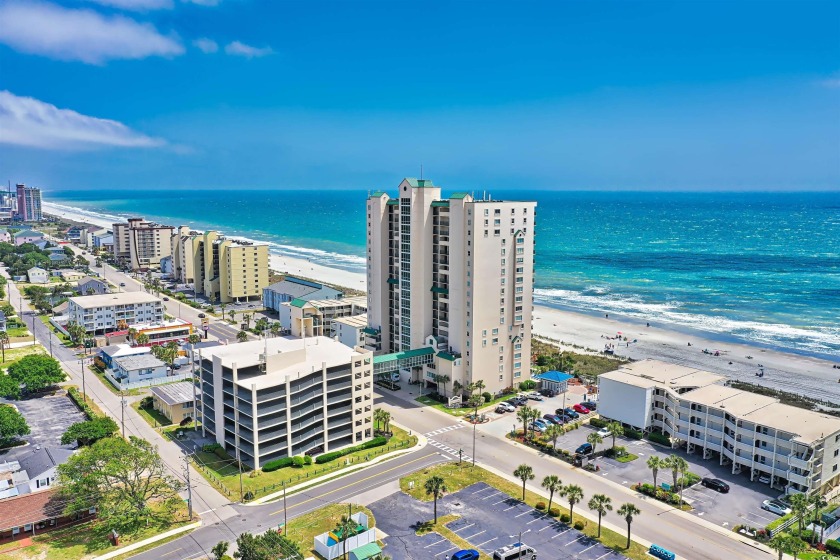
{"points": [[764, 479], [507, 407], [395, 377], [604, 432], [776, 506]]}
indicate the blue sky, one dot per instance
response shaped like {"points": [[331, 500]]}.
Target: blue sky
{"points": [[111, 94]]}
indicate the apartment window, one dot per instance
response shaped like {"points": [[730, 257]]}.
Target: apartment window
{"points": [[495, 331], [517, 346], [501, 358], [518, 299], [520, 270], [502, 301], [486, 223], [500, 379], [520, 250], [484, 344], [486, 212], [518, 318], [496, 233], [503, 252], [517, 365], [517, 355], [503, 271], [503, 264], [495, 341], [501, 367]]}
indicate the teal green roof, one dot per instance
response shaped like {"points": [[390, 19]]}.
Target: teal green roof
{"points": [[447, 356], [440, 204], [393, 281], [366, 551], [370, 331], [298, 302], [403, 355], [419, 183], [377, 194], [438, 290], [393, 202], [459, 195]]}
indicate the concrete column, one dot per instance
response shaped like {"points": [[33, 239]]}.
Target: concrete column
{"points": [[324, 404], [288, 417], [254, 428]]}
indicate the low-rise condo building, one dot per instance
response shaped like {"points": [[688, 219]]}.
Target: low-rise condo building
{"points": [[291, 288], [455, 276], [100, 314], [350, 331], [279, 397], [225, 270], [315, 317], [141, 244], [798, 450]]}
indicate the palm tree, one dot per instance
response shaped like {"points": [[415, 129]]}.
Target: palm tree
{"points": [[594, 439], [4, 340], [799, 505], [479, 385], [219, 550], [796, 547], [247, 318], [223, 306], [573, 494], [456, 386], [780, 543], [275, 328], [553, 433], [819, 502], [172, 349], [242, 336], [443, 380], [655, 463], [616, 429], [345, 529], [386, 419], [628, 511], [132, 332], [524, 473], [435, 486], [142, 339], [602, 504], [678, 465], [524, 414], [552, 483], [232, 315]]}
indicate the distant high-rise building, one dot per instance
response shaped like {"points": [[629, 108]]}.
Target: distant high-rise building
{"points": [[141, 244], [453, 275], [29, 203]]}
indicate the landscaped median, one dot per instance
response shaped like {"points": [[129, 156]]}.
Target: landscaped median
{"points": [[457, 477], [222, 471]]}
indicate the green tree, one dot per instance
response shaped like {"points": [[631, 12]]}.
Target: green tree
{"points": [[601, 504], [232, 315], [268, 546], [12, 425], [628, 511], [573, 494], [435, 486], [819, 502], [553, 433], [594, 439], [4, 341], [552, 483], [9, 388], [242, 336], [36, 372], [524, 473], [127, 478], [345, 529], [90, 431], [194, 339], [799, 507], [142, 339], [524, 414], [275, 328], [219, 550], [655, 463], [386, 420], [442, 380], [616, 429], [679, 467]]}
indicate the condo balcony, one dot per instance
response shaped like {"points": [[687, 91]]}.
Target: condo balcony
{"points": [[800, 462]]}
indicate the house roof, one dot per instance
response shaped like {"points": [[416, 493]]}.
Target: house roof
{"points": [[294, 287], [115, 350], [298, 302], [39, 461], [109, 300], [138, 361], [29, 233], [174, 393], [35, 269], [38, 506], [425, 351], [355, 321], [459, 195], [366, 551], [554, 375]]}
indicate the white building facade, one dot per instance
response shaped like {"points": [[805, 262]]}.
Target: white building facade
{"points": [[797, 449], [454, 274], [100, 314]]}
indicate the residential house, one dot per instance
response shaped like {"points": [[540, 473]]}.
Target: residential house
{"points": [[41, 465], [89, 286], [174, 400], [107, 354], [350, 331], [28, 236], [38, 275], [315, 317], [137, 368], [5, 236], [291, 288], [68, 274], [32, 514]]}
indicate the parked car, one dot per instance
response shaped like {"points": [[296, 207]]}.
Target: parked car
{"points": [[536, 427], [715, 484], [604, 432], [775, 506], [548, 392], [584, 449], [501, 408], [515, 551], [549, 418], [579, 408], [571, 412], [764, 478], [590, 405], [395, 377], [535, 396], [512, 402], [541, 423], [508, 407], [554, 418], [468, 554]]}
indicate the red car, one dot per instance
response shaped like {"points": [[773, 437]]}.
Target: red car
{"points": [[581, 409]]}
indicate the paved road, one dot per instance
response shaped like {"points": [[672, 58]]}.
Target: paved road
{"points": [[257, 519], [677, 531]]}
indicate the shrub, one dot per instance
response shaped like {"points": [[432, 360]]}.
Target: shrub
{"points": [[307, 459], [833, 546], [248, 496], [297, 461], [554, 512], [656, 437], [540, 506], [598, 423], [375, 442], [220, 453], [147, 402], [808, 536], [528, 385], [210, 447], [83, 406], [277, 464], [688, 480], [487, 396], [327, 457], [633, 434], [565, 518], [579, 525]]}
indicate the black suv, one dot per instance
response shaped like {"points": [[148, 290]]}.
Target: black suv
{"points": [[715, 484]]}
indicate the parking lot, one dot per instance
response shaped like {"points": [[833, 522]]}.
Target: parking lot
{"points": [[489, 519], [48, 418]]}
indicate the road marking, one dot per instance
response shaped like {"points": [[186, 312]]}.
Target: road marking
{"points": [[605, 555], [447, 458], [483, 489], [585, 549], [524, 513], [320, 497], [465, 527], [471, 536], [173, 552], [552, 525], [576, 540], [500, 501], [485, 542], [511, 507], [434, 543], [493, 495], [560, 533], [447, 550], [540, 518]]}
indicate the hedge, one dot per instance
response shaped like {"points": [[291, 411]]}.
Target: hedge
{"points": [[77, 398], [277, 464], [598, 423], [833, 546], [656, 437], [333, 455], [554, 512]]}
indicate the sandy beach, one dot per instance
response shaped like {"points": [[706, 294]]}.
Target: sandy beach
{"points": [[805, 375]]}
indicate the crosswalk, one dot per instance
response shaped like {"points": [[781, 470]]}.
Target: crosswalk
{"points": [[445, 448]]}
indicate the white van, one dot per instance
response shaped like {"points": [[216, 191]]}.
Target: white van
{"points": [[514, 551]]}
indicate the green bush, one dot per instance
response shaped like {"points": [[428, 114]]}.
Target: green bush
{"points": [[598, 423], [333, 455], [528, 385], [220, 453], [307, 459], [147, 403], [540, 506], [688, 480], [579, 525], [77, 398], [487, 396], [248, 496], [656, 437], [210, 447], [554, 512], [833, 546], [633, 434], [565, 518], [327, 457], [297, 461], [277, 464]]}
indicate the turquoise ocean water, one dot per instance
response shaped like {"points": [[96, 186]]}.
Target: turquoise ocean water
{"points": [[755, 267]]}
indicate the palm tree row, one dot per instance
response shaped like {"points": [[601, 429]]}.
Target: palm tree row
{"points": [[676, 464], [381, 418]]}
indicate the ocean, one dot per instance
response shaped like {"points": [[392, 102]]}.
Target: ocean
{"points": [[754, 267]]}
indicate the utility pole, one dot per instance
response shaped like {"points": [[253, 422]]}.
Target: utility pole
{"points": [[84, 394], [475, 423], [189, 488], [122, 412]]}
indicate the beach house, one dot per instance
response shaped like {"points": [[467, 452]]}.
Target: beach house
{"points": [[38, 275], [291, 288]]}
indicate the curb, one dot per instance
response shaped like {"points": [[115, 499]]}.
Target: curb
{"points": [[146, 542], [421, 443]]}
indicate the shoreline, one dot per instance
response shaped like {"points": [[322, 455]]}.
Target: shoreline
{"points": [[801, 373]]}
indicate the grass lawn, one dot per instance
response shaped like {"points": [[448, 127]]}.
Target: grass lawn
{"points": [[153, 417], [18, 332], [65, 340], [15, 354], [86, 540], [443, 408], [459, 477], [90, 401], [627, 457], [302, 530], [224, 474]]}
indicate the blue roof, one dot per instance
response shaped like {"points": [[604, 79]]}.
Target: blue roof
{"points": [[556, 376]]}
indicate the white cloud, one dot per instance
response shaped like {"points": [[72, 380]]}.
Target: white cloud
{"points": [[136, 5], [84, 35], [832, 83], [26, 121], [238, 48], [206, 45], [203, 2]]}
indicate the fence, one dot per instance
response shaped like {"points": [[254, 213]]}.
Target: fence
{"points": [[790, 521], [213, 477], [146, 383], [330, 548]]}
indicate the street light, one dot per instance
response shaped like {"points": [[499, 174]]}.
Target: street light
{"points": [[519, 541]]}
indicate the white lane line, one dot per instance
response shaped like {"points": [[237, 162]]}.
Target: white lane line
{"points": [[576, 540], [585, 549], [447, 550], [511, 507], [464, 527], [471, 536], [560, 533], [446, 458], [485, 542], [483, 489], [524, 513], [553, 525], [500, 502], [493, 495], [540, 518], [605, 555], [434, 543]]}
